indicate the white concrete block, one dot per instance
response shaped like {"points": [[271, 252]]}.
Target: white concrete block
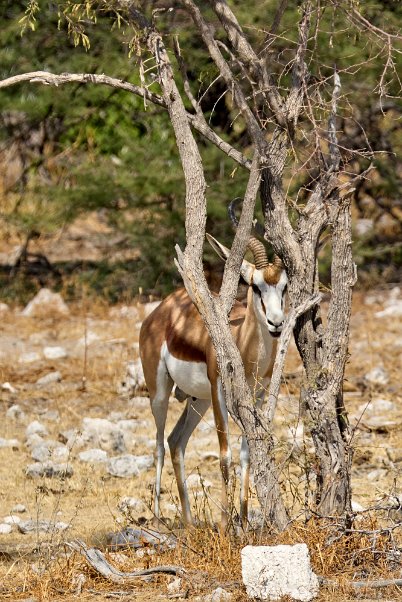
{"points": [[270, 572]]}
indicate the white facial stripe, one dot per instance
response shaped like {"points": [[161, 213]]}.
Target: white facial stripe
{"points": [[270, 297]]}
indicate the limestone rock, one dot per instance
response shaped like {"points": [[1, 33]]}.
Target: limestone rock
{"points": [[130, 504], [125, 311], [46, 303], [50, 450], [148, 308], [36, 428], [93, 456], [19, 508], [195, 482], [377, 376], [49, 378], [49, 469], [271, 572], [43, 525], [54, 353], [133, 379], [5, 529], [129, 465], [13, 443], [11, 520], [29, 357], [8, 387], [4, 308], [103, 434], [15, 413]]}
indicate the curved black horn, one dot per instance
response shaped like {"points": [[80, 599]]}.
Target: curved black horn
{"points": [[256, 247], [231, 210]]}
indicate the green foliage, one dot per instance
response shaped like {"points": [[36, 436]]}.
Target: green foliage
{"points": [[103, 149]]}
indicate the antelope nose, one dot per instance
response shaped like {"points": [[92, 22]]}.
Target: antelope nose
{"points": [[276, 324]]}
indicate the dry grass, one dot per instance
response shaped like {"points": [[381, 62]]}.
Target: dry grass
{"points": [[42, 566]]}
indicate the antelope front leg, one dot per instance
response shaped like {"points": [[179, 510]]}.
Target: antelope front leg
{"points": [[177, 440], [222, 428]]}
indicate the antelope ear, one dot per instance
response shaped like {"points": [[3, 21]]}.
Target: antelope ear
{"points": [[246, 269], [221, 250]]}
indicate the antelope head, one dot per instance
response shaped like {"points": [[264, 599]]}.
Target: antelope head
{"points": [[267, 280]]}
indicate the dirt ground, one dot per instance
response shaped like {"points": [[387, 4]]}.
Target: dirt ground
{"points": [[98, 342]]}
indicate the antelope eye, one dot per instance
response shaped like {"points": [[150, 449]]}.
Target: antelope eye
{"points": [[255, 288]]}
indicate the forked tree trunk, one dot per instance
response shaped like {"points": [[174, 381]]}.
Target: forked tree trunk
{"points": [[323, 350]]}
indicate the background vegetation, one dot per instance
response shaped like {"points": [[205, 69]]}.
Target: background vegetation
{"points": [[78, 150]]}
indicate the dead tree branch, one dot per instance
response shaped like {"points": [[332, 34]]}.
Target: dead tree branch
{"points": [[98, 562]]}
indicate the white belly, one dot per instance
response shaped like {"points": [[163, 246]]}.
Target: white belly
{"points": [[190, 377]]}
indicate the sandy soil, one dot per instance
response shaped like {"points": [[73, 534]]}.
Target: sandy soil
{"points": [[88, 501]]}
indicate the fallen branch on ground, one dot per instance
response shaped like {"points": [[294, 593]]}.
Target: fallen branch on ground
{"points": [[98, 561]]}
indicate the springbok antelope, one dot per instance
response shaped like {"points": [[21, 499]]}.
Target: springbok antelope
{"points": [[175, 348]]}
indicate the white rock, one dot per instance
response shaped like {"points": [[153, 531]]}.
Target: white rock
{"points": [[33, 440], [377, 376], [196, 482], [49, 378], [13, 443], [88, 339], [5, 529], [29, 357], [44, 303], [138, 403], [129, 465], [19, 508], [356, 507], [133, 379], [54, 353], [130, 503], [4, 308], [376, 474], [393, 311], [93, 456], [8, 387], [11, 520], [218, 595], [270, 572], [363, 226], [49, 469], [125, 311], [41, 525], [52, 415], [148, 308], [36, 428], [50, 450], [15, 413], [174, 586], [377, 406], [104, 434]]}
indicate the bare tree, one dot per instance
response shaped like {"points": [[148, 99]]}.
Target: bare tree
{"points": [[272, 115]]}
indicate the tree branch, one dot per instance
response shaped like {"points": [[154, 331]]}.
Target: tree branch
{"points": [[255, 66], [231, 273], [51, 79], [240, 100], [299, 72], [284, 341]]}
